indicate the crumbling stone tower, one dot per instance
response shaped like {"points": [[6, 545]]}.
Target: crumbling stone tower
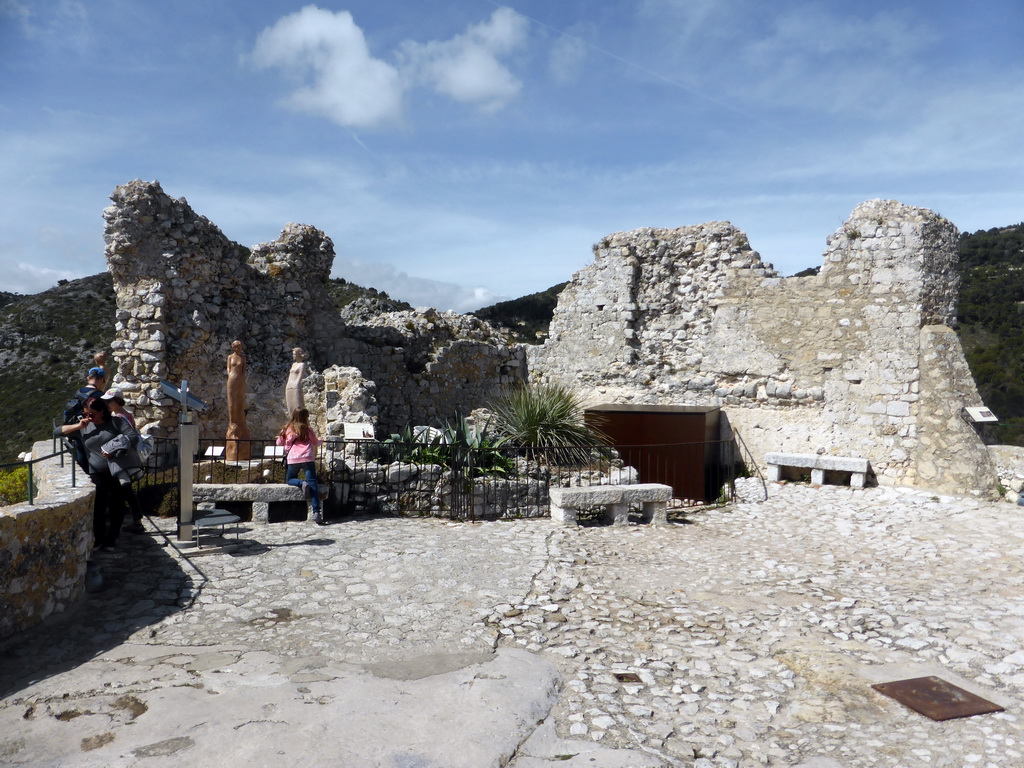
{"points": [[185, 292]]}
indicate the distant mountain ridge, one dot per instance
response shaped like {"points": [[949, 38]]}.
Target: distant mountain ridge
{"points": [[47, 339], [527, 317]]}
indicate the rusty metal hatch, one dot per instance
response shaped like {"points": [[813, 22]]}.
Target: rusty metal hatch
{"points": [[936, 698]]}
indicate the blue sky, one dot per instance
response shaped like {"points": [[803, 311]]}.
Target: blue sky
{"points": [[459, 152]]}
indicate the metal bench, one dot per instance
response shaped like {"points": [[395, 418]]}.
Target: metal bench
{"points": [[213, 518], [652, 497]]}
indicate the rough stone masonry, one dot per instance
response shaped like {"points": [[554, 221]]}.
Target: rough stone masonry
{"points": [[859, 360], [185, 292]]}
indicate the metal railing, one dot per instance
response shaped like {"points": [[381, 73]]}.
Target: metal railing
{"points": [[466, 482], [30, 489], [456, 480]]}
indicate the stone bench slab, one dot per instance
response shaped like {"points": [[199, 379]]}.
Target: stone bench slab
{"points": [[610, 494], [652, 497], [818, 464], [260, 494]]}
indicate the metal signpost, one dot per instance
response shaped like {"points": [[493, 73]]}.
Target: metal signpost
{"points": [[188, 447]]}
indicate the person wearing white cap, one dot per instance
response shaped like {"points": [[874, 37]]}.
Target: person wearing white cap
{"points": [[115, 399]]}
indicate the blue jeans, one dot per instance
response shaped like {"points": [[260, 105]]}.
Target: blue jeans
{"points": [[292, 478]]}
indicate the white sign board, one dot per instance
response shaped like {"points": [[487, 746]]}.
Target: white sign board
{"points": [[359, 431], [980, 415], [214, 451], [273, 452]]}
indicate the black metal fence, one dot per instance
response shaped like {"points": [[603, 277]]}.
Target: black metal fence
{"points": [[459, 481]]}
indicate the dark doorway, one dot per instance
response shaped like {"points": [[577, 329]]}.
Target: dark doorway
{"points": [[676, 445]]}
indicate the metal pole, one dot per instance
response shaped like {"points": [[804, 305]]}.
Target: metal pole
{"points": [[188, 437]]}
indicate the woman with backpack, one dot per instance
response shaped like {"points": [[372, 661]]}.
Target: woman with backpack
{"points": [[300, 442], [97, 428]]}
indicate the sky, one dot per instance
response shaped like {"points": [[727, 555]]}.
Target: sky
{"points": [[463, 152]]}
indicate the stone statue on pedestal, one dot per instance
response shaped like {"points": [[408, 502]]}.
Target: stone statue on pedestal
{"points": [[238, 431], [293, 397]]}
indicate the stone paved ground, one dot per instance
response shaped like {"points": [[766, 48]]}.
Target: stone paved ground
{"points": [[756, 630]]}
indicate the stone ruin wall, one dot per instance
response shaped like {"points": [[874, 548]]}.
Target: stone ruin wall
{"points": [[859, 360], [185, 292]]}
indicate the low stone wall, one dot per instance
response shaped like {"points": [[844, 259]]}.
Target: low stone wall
{"points": [[1009, 461], [44, 546], [410, 490]]}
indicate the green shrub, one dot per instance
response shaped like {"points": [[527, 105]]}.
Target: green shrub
{"points": [[13, 486], [456, 445], [548, 416]]}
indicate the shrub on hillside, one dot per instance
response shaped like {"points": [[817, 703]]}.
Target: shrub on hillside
{"points": [[13, 486]]}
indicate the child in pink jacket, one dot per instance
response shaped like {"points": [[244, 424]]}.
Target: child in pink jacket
{"points": [[300, 442]]}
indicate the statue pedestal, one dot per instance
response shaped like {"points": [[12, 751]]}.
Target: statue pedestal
{"points": [[237, 446]]}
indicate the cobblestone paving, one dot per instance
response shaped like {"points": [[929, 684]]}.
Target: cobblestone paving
{"points": [[749, 629], [755, 630]]}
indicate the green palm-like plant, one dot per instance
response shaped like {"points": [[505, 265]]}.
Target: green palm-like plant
{"points": [[548, 416]]}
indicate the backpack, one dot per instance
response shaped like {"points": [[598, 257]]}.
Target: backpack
{"points": [[73, 408], [72, 415]]}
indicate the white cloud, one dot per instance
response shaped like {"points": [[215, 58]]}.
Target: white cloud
{"points": [[66, 21], [342, 81], [29, 278], [418, 291], [466, 67], [813, 29], [328, 52], [566, 59]]}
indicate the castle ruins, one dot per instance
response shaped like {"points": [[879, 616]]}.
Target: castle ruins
{"points": [[185, 292], [858, 360]]}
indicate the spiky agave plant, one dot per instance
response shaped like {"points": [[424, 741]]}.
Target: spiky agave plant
{"points": [[545, 416]]}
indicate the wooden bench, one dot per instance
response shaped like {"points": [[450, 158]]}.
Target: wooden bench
{"points": [[819, 465], [262, 495], [652, 497]]}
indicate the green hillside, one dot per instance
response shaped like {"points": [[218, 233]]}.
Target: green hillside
{"points": [[992, 323], [527, 317], [46, 345]]}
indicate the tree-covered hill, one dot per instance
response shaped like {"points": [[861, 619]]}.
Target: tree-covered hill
{"points": [[991, 319], [528, 317], [47, 341]]}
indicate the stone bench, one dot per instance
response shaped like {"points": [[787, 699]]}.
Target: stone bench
{"points": [[262, 495], [653, 498], [819, 465]]}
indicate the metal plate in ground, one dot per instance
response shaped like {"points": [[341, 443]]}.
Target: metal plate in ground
{"points": [[627, 677], [935, 698]]}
